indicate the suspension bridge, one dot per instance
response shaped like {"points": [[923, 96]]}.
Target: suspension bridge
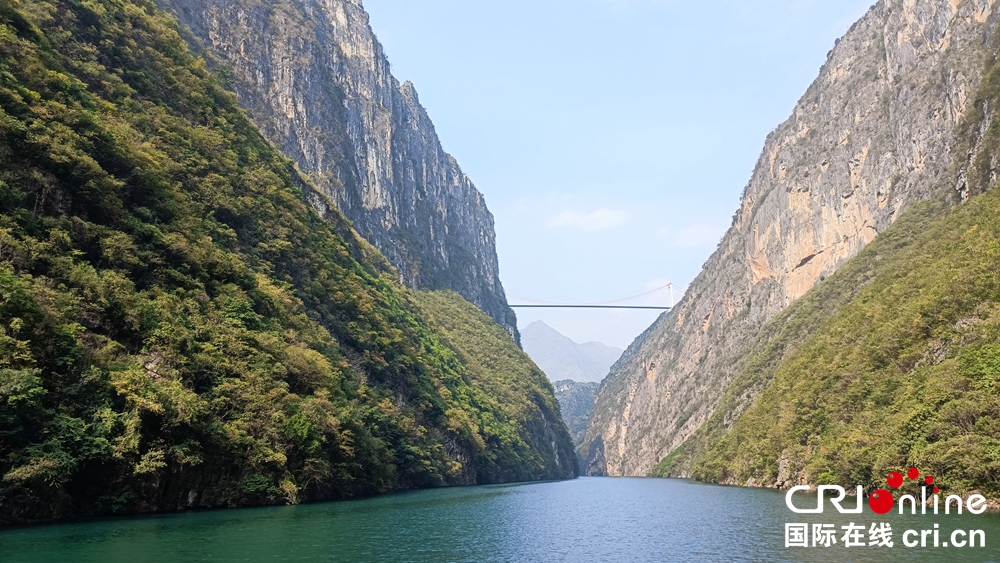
{"points": [[612, 304]]}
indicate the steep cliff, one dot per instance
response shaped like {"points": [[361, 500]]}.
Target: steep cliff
{"points": [[576, 401], [314, 78], [180, 329], [874, 134], [891, 362]]}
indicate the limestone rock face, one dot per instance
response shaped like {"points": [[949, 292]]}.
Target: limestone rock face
{"points": [[576, 400], [314, 78], [872, 135]]}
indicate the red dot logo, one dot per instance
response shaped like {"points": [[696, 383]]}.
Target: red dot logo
{"points": [[895, 479], [912, 473], [936, 490], [880, 501], [929, 480]]}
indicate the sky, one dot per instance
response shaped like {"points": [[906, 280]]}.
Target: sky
{"points": [[611, 138]]}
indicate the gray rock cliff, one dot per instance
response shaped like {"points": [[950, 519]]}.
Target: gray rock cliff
{"points": [[576, 401], [875, 133], [314, 78]]}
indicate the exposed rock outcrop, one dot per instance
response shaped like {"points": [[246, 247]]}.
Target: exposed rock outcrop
{"points": [[314, 78], [576, 401], [875, 133]]}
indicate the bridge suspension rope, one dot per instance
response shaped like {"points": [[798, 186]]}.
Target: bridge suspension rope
{"points": [[538, 303]]}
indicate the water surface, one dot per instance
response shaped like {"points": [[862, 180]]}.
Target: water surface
{"points": [[584, 520]]}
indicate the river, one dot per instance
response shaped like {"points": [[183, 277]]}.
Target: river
{"points": [[583, 520]]}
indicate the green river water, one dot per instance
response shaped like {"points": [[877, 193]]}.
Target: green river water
{"points": [[583, 520]]}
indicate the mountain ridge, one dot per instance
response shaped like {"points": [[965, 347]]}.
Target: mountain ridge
{"points": [[315, 79], [899, 347], [562, 358], [181, 328], [875, 133]]}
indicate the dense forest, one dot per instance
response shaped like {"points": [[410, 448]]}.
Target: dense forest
{"points": [[178, 327], [504, 379]]}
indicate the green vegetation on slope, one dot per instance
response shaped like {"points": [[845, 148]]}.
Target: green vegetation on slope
{"points": [[904, 373], [526, 430], [894, 361], [891, 362], [177, 327]]}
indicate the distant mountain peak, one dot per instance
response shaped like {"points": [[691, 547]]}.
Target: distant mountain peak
{"points": [[562, 358]]}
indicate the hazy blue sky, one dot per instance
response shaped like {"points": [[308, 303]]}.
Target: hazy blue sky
{"points": [[611, 138]]}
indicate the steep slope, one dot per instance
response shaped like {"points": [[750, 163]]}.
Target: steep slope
{"points": [[890, 362], [874, 134], [515, 390], [314, 78], [178, 327], [902, 374], [576, 401], [562, 358]]}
